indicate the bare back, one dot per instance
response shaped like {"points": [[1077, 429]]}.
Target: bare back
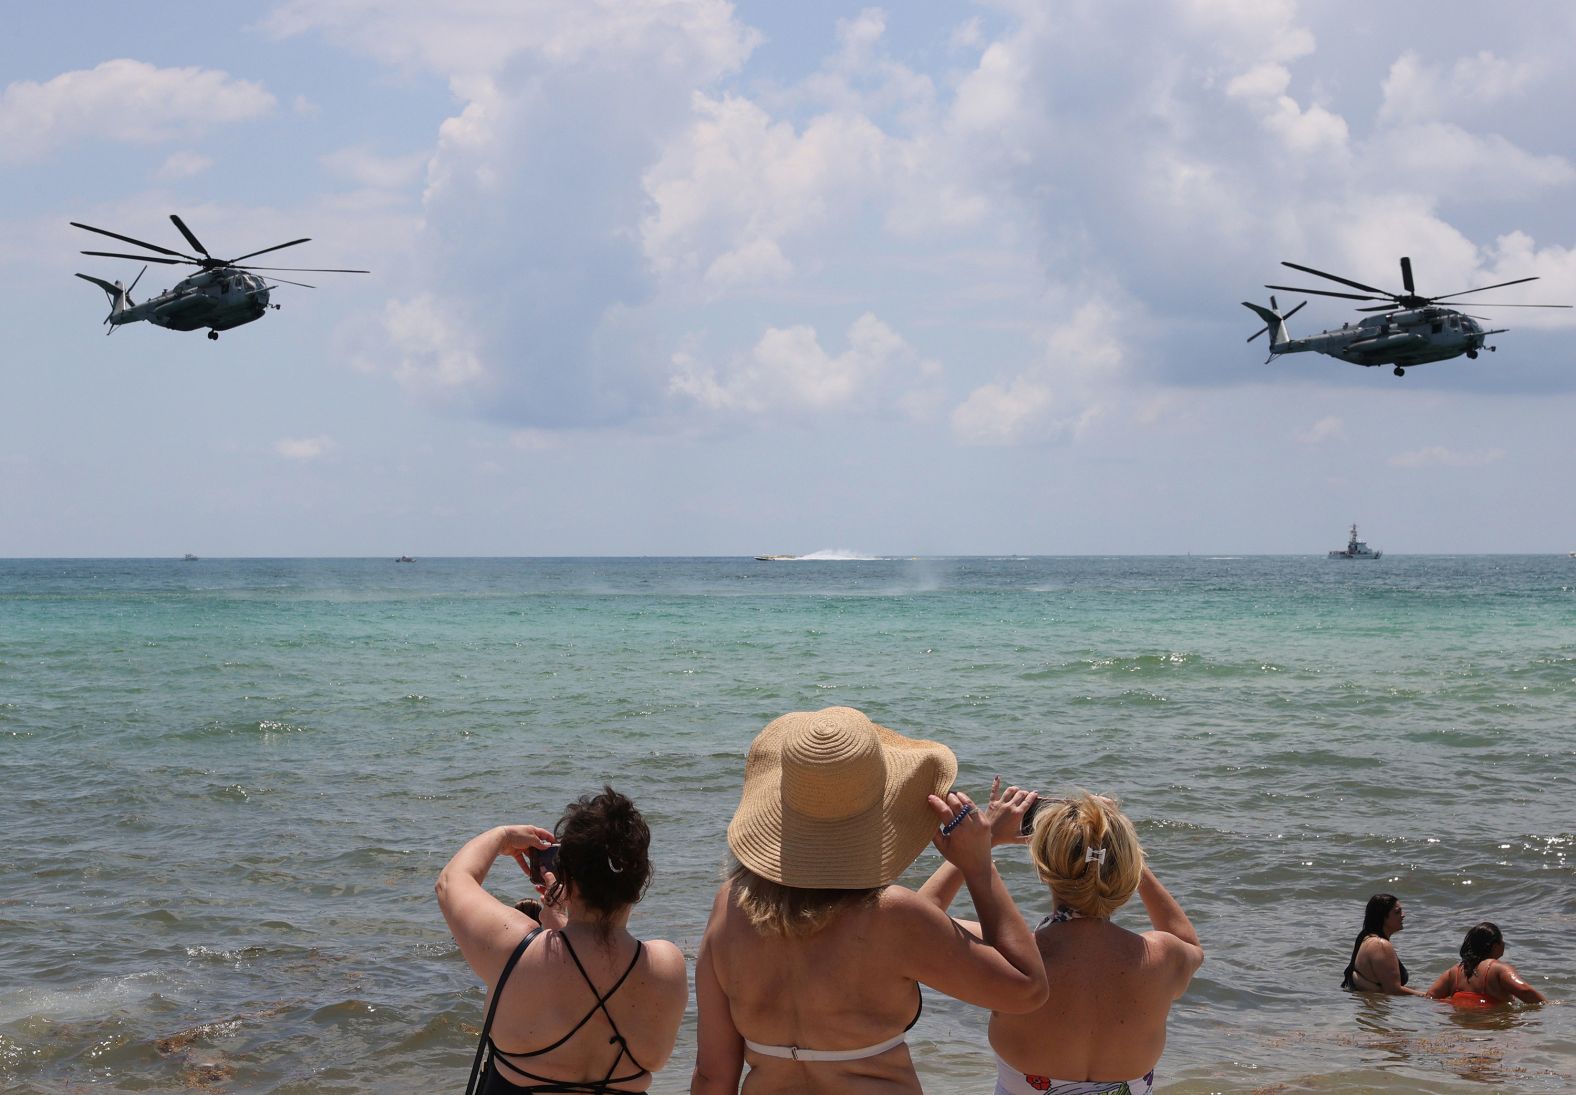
{"points": [[1111, 990], [839, 989], [546, 996]]}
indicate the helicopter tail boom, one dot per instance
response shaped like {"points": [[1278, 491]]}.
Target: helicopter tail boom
{"points": [[119, 296], [1274, 323]]}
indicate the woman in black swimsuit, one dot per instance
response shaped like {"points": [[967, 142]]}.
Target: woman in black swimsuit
{"points": [[576, 1004], [1374, 965]]}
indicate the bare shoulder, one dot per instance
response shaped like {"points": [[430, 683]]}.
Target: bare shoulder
{"points": [[665, 957], [907, 912], [1175, 953]]}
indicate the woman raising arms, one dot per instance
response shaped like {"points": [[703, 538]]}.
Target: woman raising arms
{"points": [[1104, 1027], [587, 1008], [809, 972]]}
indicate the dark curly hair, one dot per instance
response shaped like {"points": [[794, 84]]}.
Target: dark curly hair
{"points": [[1478, 945], [603, 851]]}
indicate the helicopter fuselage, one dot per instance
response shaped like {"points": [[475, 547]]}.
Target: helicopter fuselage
{"points": [[1413, 336], [217, 299]]}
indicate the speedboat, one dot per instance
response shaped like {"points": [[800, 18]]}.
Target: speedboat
{"points": [[775, 558], [1356, 549], [404, 559]]}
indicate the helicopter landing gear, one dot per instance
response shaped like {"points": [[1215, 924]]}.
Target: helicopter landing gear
{"points": [[214, 335], [1400, 371], [1471, 355]]}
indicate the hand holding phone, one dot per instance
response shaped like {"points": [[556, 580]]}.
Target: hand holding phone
{"points": [[543, 859]]}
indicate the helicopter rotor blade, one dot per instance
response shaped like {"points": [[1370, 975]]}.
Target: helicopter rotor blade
{"points": [[287, 281], [1257, 333], [145, 258], [134, 281], [1481, 288], [265, 250], [191, 239], [1326, 293], [1381, 308], [1490, 304], [128, 239], [1406, 276], [1294, 311], [304, 269], [1332, 277]]}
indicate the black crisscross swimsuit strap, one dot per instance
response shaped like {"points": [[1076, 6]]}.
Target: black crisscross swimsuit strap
{"points": [[544, 1085]]}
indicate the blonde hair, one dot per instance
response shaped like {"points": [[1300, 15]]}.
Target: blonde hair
{"points": [[1064, 833], [791, 912]]}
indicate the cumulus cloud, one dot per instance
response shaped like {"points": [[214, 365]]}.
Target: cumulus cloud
{"points": [[788, 371], [303, 448], [1418, 91], [1438, 456], [122, 100], [1058, 214]]}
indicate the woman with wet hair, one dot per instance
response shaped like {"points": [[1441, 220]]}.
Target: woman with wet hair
{"points": [[1483, 978], [587, 1007], [1111, 988], [1374, 965]]}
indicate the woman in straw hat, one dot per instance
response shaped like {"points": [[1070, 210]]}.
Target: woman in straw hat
{"points": [[1111, 989], [587, 1007], [810, 967]]}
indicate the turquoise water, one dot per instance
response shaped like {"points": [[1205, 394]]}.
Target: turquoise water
{"points": [[230, 785]]}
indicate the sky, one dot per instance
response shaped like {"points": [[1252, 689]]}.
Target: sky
{"points": [[657, 277]]}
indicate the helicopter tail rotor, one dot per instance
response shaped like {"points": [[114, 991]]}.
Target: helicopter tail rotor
{"points": [[119, 296], [1274, 323]]}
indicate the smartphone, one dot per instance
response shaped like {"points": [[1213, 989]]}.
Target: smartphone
{"points": [[543, 859]]}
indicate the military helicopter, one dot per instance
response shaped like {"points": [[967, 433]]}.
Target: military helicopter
{"points": [[1413, 330], [220, 295]]}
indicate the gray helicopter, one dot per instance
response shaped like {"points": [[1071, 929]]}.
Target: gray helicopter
{"points": [[220, 295], [1412, 329]]}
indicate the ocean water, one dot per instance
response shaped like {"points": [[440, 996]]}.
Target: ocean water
{"points": [[230, 784]]}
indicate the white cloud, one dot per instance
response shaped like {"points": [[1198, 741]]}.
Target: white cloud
{"points": [[303, 448], [789, 371], [432, 349], [737, 186], [122, 100], [1004, 414], [1417, 91], [1449, 161], [1438, 456], [365, 167], [480, 37], [183, 165], [1325, 429]]}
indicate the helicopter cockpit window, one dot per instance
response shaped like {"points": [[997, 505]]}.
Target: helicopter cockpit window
{"points": [[1438, 326]]}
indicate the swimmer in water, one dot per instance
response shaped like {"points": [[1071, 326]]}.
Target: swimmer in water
{"points": [[1374, 965], [1483, 978]]}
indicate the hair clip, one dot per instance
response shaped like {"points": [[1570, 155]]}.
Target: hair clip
{"points": [[968, 808], [615, 868], [1095, 855]]}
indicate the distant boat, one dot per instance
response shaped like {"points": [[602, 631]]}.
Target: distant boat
{"points": [[404, 559], [190, 558], [1356, 549], [789, 558]]}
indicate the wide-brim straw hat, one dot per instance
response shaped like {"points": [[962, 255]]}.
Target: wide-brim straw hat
{"points": [[832, 801]]}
